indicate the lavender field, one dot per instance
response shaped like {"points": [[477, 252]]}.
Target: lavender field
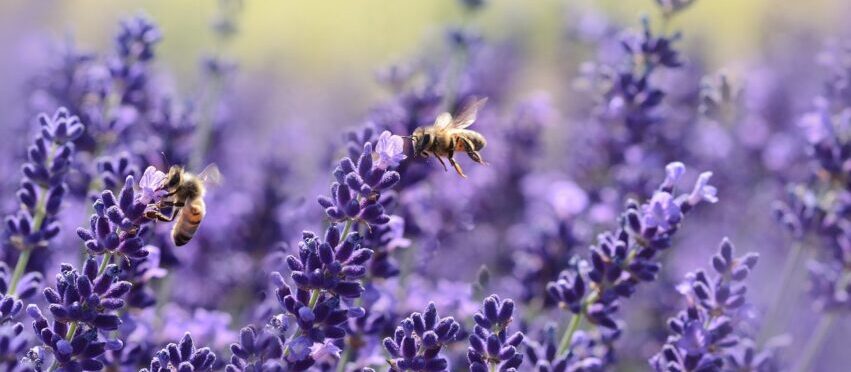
{"points": [[456, 185]]}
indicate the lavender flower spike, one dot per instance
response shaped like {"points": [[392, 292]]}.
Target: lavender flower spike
{"points": [[42, 187], [356, 196], [490, 345], [83, 306], [706, 336], [418, 341], [182, 357]]}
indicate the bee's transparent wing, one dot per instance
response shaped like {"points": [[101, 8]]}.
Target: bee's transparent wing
{"points": [[443, 120], [468, 115], [211, 176]]}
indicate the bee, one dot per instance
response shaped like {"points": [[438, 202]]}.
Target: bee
{"points": [[185, 197], [448, 135]]}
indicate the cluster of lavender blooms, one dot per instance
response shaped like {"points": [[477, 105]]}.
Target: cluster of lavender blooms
{"points": [[525, 265], [626, 257], [41, 192], [707, 335]]}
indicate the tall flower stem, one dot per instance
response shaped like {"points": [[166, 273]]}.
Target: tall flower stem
{"points": [[314, 297], [348, 228], [72, 329], [814, 344], [575, 321], [775, 310], [24, 258], [20, 266], [38, 220], [106, 259]]}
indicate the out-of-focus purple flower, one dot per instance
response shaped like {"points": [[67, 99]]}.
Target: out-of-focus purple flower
{"points": [[622, 259], [114, 170], [545, 357], [42, 187], [13, 343], [137, 37], [10, 302], [389, 150], [325, 352], [703, 191], [673, 172], [705, 334]]}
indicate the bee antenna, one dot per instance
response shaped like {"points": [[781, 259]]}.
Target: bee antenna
{"points": [[165, 159]]}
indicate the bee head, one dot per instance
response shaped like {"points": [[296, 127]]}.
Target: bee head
{"points": [[174, 177], [420, 140]]}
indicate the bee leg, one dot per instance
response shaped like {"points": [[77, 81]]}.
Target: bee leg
{"points": [[445, 169], [455, 164], [159, 216], [473, 154], [156, 214]]}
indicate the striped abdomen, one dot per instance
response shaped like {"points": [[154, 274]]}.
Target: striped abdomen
{"points": [[188, 221], [473, 137]]}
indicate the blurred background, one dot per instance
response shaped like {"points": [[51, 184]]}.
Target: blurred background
{"points": [[305, 73]]}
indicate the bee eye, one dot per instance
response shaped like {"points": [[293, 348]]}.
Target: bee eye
{"points": [[425, 140], [174, 181]]}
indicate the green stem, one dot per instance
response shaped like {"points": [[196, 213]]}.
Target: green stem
{"points": [[775, 310], [107, 258], [38, 220], [347, 229], [314, 297], [575, 320], [23, 259], [72, 329], [492, 367], [814, 344]]}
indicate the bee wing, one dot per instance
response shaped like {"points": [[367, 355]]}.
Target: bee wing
{"points": [[443, 120], [211, 176], [468, 114]]}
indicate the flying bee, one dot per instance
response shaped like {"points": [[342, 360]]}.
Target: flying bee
{"points": [[185, 197], [448, 135]]}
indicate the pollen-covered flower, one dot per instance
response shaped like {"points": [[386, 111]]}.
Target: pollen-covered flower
{"points": [[389, 150]]}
